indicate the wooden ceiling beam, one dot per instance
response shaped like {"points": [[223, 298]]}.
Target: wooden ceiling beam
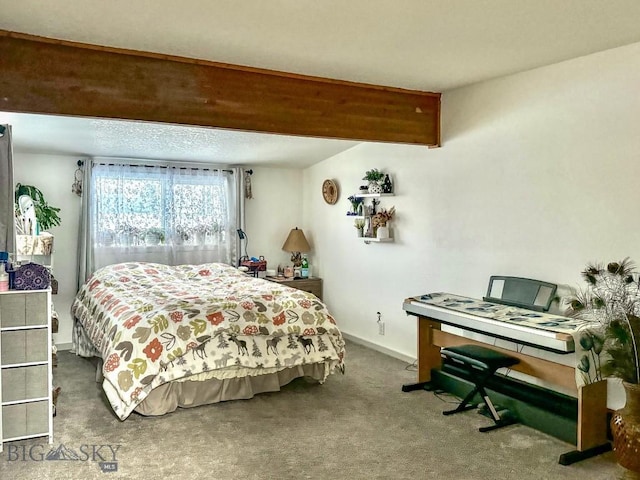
{"points": [[46, 76]]}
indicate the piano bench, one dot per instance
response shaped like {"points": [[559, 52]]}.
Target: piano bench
{"points": [[481, 363]]}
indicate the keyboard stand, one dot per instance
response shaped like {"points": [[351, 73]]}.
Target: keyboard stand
{"points": [[592, 423]]}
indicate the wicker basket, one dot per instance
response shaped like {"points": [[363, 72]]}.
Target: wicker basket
{"points": [[625, 428]]}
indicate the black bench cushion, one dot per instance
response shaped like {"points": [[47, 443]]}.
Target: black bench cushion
{"points": [[480, 357]]}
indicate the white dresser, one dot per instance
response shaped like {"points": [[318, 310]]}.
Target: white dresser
{"points": [[26, 403]]}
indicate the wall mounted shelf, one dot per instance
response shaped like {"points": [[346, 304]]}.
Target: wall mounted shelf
{"points": [[373, 195], [376, 240], [367, 218]]}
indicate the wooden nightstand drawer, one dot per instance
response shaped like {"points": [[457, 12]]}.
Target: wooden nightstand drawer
{"points": [[311, 285]]}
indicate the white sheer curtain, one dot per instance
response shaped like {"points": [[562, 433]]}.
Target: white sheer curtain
{"points": [[165, 214]]}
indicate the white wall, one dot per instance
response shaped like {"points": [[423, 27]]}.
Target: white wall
{"points": [[54, 174], [274, 210], [536, 177]]}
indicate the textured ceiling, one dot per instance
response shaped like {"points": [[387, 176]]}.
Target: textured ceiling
{"points": [[87, 137], [431, 45]]}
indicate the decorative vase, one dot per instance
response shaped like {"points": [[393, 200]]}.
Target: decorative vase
{"points": [[152, 239], [360, 232], [382, 232], [387, 186], [375, 187], [625, 429]]}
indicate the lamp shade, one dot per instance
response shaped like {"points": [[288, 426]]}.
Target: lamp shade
{"points": [[296, 242]]}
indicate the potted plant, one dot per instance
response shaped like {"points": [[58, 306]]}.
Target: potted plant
{"points": [[46, 215], [356, 203], [611, 302], [204, 230], [379, 222], [359, 224], [374, 177], [181, 236], [127, 234], [154, 236]]}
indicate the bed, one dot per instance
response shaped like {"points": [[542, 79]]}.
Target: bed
{"points": [[188, 335]]}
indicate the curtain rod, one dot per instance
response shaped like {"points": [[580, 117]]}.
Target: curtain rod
{"points": [[133, 163], [166, 166], [168, 163]]}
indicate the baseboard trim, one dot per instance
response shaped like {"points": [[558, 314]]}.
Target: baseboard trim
{"points": [[379, 348], [64, 346]]}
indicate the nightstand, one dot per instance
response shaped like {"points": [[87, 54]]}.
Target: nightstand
{"points": [[311, 285]]}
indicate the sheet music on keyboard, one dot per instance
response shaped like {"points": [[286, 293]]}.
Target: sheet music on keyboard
{"points": [[503, 313], [528, 327]]}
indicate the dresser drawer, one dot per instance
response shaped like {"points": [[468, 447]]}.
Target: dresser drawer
{"points": [[311, 285]]}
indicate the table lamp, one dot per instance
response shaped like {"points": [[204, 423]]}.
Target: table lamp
{"points": [[296, 243]]}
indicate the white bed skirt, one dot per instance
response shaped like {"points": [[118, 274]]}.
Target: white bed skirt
{"points": [[173, 395], [170, 396]]}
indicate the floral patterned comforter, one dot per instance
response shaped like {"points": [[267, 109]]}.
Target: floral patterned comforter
{"points": [[156, 323]]}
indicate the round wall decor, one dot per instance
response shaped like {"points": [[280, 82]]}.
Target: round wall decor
{"points": [[330, 191]]}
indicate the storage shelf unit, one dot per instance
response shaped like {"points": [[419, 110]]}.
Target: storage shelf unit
{"points": [[365, 217], [26, 403]]}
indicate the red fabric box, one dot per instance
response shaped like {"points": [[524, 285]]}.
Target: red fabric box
{"points": [[253, 266]]}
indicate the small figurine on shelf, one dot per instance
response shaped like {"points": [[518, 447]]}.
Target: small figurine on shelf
{"points": [[374, 204], [387, 186]]}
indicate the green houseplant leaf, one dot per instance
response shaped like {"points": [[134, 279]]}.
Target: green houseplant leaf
{"points": [[373, 175], [46, 215]]}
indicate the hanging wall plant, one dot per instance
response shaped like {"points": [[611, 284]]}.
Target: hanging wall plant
{"points": [[46, 215]]}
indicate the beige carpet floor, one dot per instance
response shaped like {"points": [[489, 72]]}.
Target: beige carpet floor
{"points": [[356, 426]]}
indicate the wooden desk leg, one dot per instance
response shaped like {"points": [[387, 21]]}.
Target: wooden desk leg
{"points": [[428, 354], [592, 424]]}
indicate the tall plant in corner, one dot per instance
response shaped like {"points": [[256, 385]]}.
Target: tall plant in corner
{"points": [[612, 301], [46, 215]]}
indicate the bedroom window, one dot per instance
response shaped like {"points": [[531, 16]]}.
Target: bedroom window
{"points": [[161, 214]]}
